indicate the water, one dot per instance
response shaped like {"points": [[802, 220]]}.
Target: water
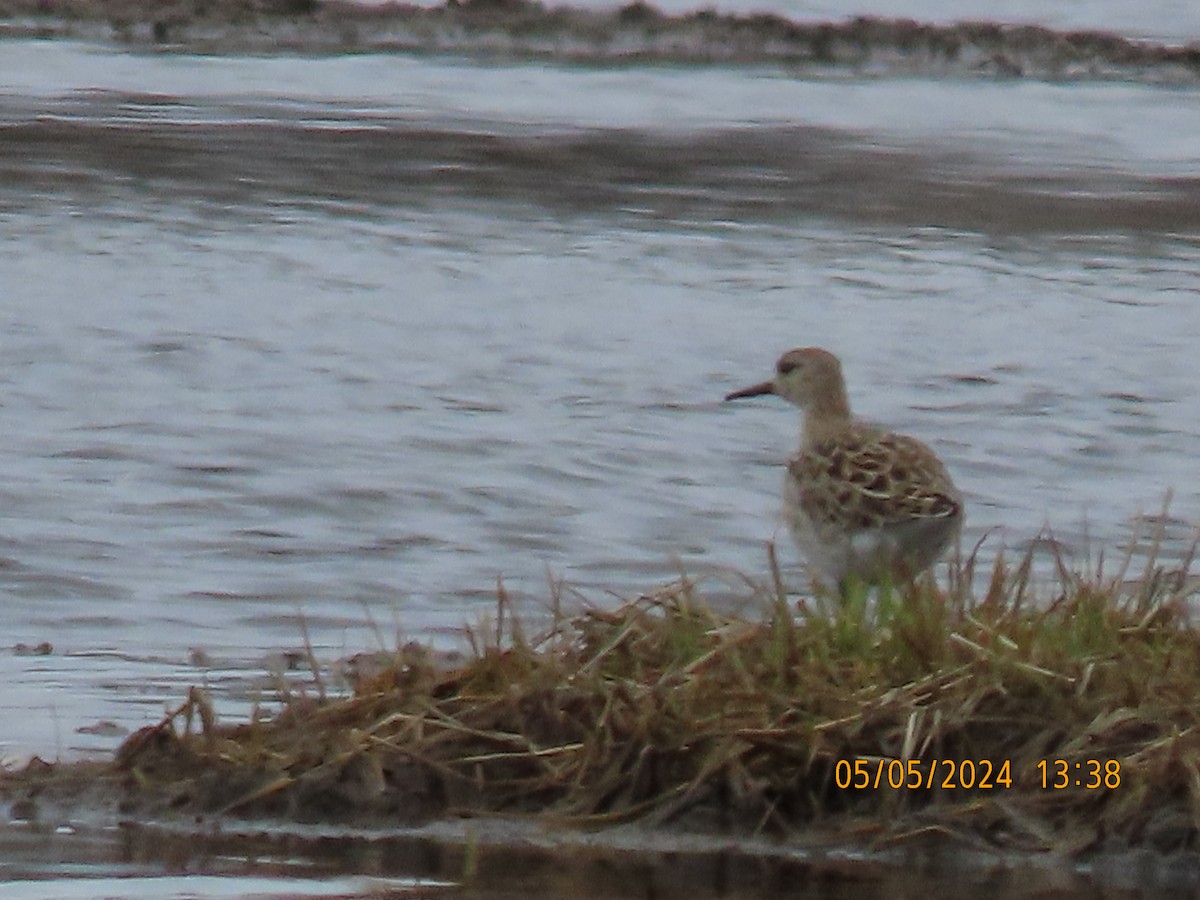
{"points": [[492, 860], [347, 339]]}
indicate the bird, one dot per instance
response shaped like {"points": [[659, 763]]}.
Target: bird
{"points": [[864, 504]]}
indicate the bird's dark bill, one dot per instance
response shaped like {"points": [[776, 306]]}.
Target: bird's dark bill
{"points": [[767, 387]]}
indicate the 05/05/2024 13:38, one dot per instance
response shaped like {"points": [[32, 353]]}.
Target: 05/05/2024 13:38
{"points": [[872, 773]]}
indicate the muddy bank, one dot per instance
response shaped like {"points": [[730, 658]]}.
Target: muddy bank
{"points": [[103, 821], [637, 32], [64, 815]]}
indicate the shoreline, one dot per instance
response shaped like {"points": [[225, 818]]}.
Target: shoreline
{"points": [[636, 33], [72, 802]]}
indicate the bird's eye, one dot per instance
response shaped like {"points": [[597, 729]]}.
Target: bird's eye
{"points": [[785, 367]]}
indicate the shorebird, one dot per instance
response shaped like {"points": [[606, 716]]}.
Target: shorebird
{"points": [[864, 504]]}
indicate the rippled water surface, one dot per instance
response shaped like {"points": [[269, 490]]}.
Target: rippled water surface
{"points": [[349, 339]]}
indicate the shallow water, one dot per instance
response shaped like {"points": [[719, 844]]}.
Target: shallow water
{"points": [[337, 342], [495, 860]]}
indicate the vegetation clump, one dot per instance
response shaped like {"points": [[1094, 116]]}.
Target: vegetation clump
{"points": [[1060, 723]]}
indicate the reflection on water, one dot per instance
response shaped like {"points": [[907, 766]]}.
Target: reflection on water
{"points": [[501, 860], [285, 359]]}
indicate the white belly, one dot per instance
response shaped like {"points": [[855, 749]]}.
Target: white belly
{"points": [[870, 555]]}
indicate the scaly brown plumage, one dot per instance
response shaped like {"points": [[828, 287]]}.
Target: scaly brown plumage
{"points": [[862, 502]]}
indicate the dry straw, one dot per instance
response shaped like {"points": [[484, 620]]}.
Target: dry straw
{"points": [[663, 711]]}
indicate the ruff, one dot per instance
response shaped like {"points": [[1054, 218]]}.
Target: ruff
{"points": [[863, 503]]}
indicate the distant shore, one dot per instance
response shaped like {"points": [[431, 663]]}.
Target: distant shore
{"points": [[635, 32]]}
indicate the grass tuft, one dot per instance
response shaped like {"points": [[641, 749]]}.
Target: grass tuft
{"points": [[664, 711]]}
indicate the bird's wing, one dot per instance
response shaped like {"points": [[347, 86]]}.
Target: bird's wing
{"points": [[868, 479]]}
